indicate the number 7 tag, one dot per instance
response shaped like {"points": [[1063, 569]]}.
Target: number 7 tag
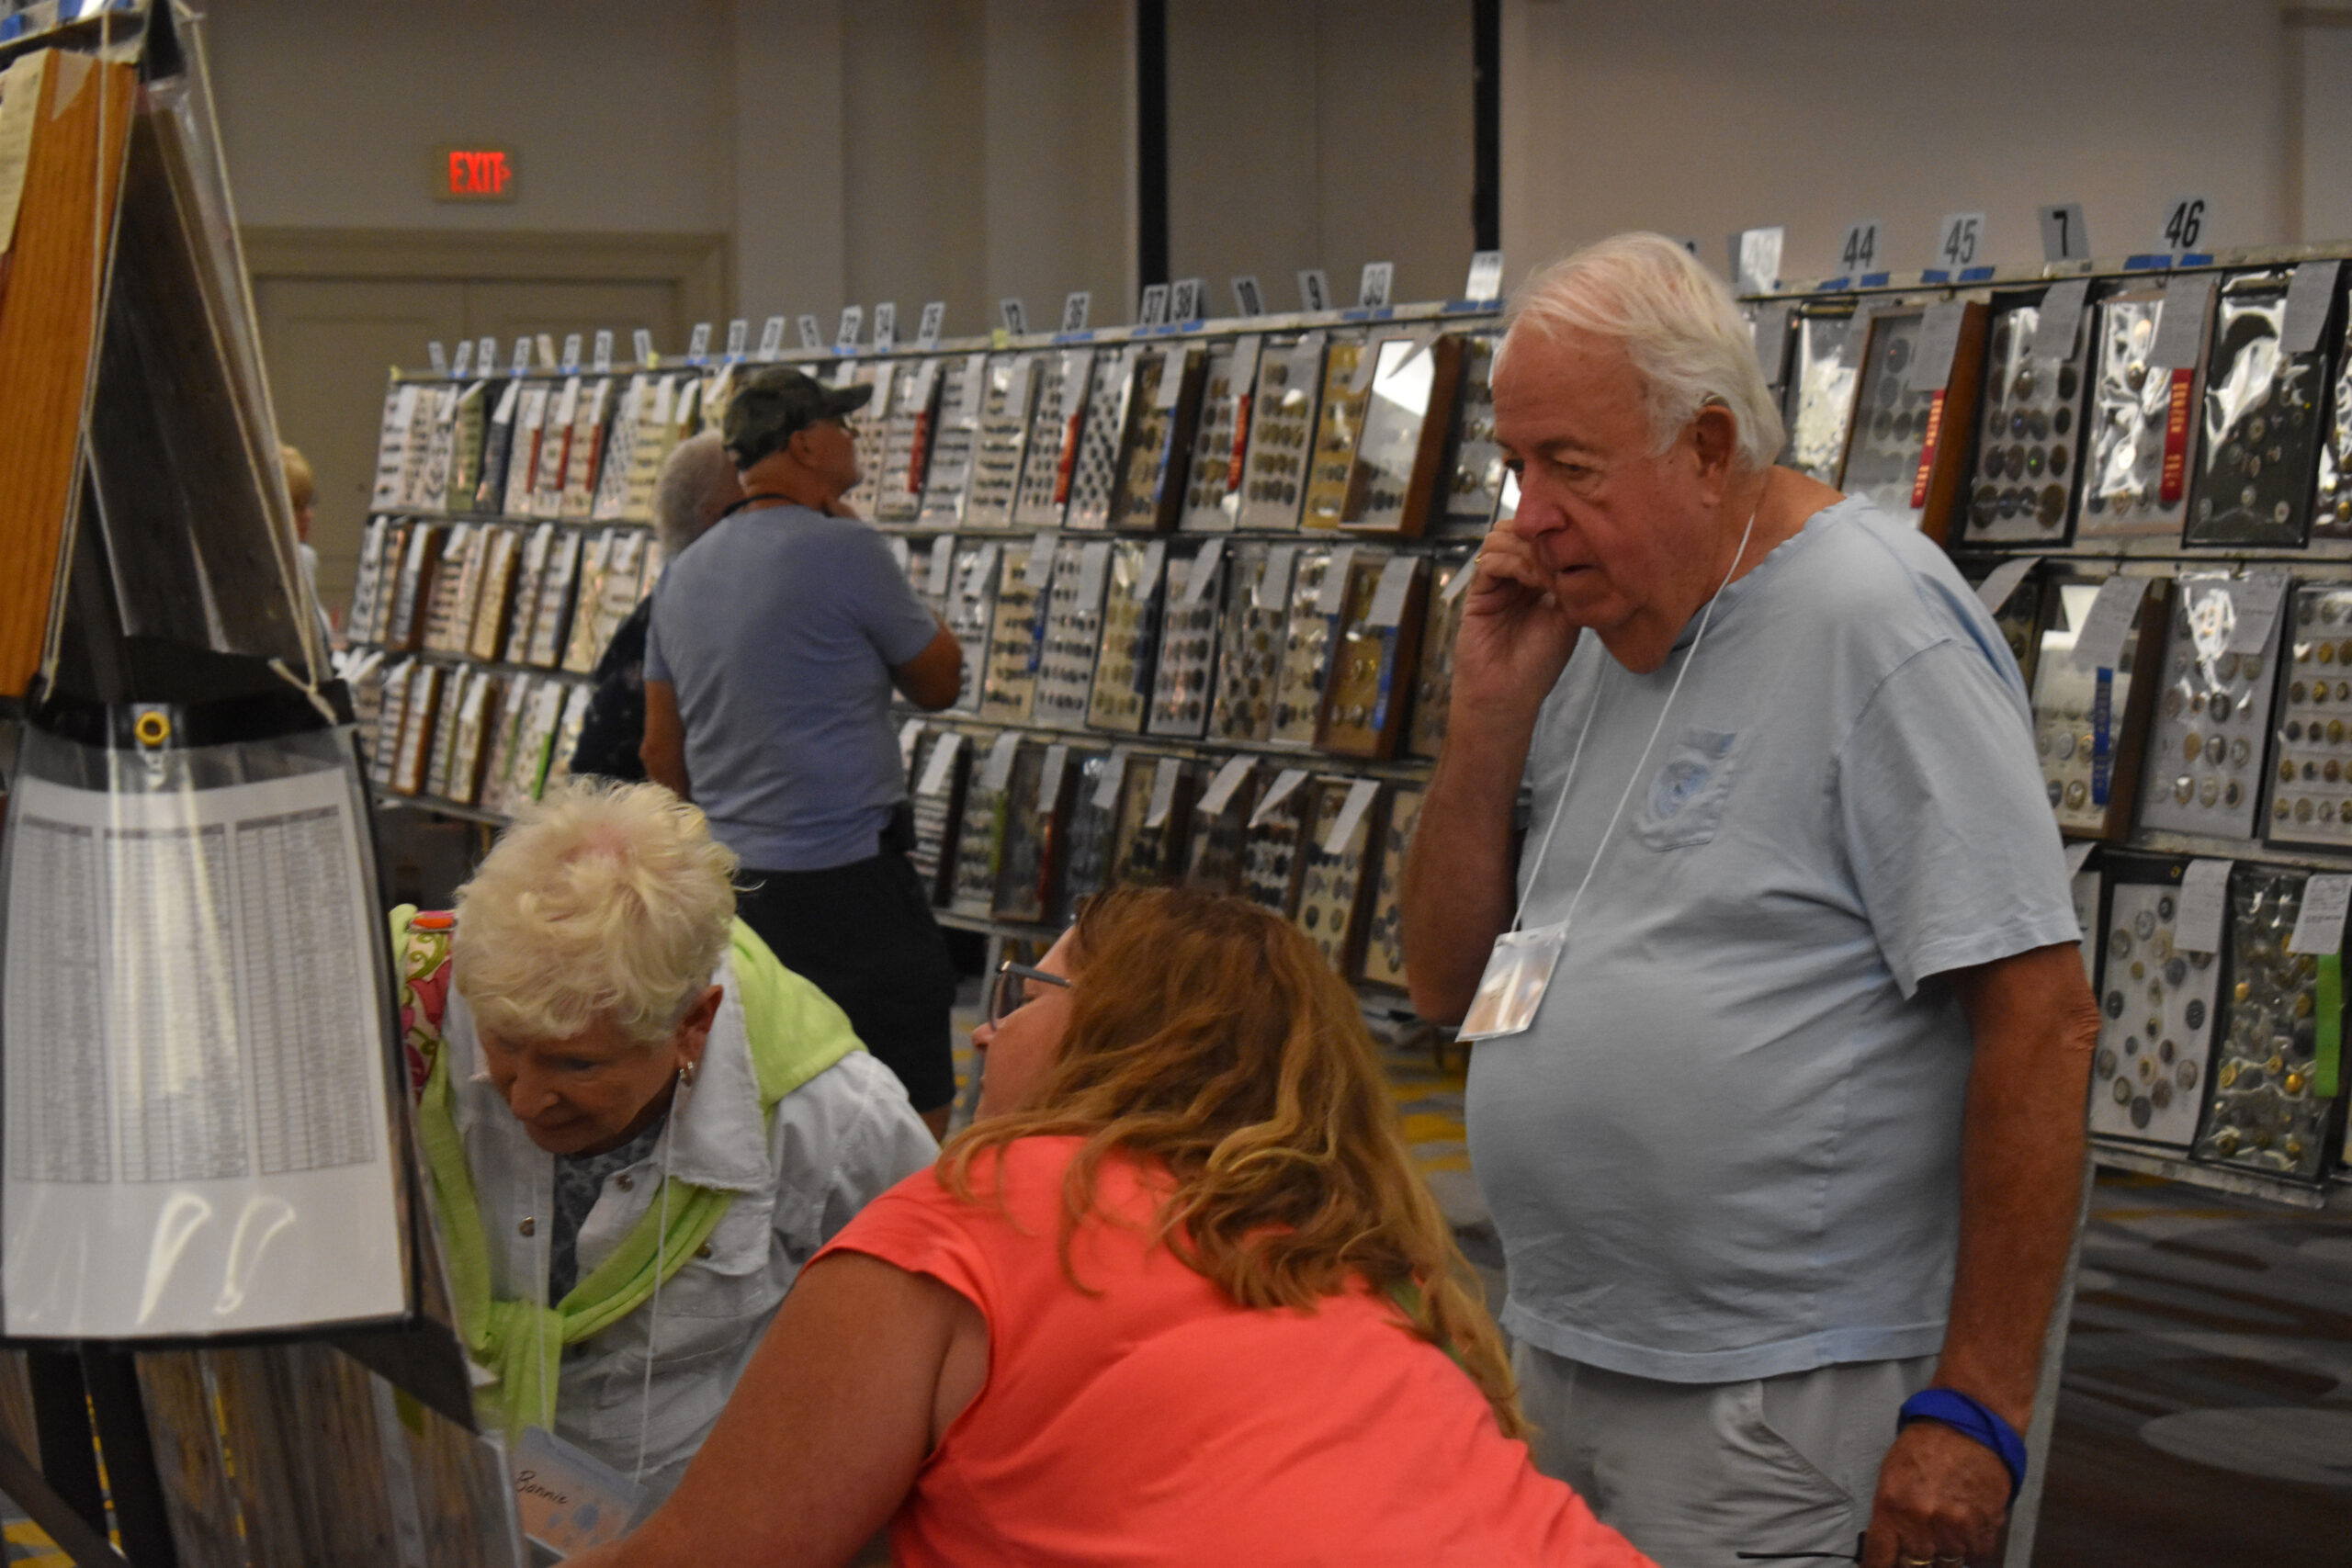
{"points": [[1518, 972]]}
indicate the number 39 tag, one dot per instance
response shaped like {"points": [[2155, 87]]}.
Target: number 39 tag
{"points": [[1518, 974]]}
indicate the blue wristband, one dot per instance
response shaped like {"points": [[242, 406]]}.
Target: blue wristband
{"points": [[1971, 1419]]}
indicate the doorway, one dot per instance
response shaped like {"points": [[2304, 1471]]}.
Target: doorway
{"points": [[338, 311]]}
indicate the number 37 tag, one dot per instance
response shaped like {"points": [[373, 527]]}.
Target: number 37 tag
{"points": [[1518, 974]]}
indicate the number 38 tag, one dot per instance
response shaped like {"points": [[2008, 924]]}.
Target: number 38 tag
{"points": [[1518, 974]]}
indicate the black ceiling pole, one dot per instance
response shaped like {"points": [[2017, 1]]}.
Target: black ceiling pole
{"points": [[1486, 124], [1151, 142]]}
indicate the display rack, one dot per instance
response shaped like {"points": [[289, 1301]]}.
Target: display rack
{"points": [[1072, 504], [2210, 450]]}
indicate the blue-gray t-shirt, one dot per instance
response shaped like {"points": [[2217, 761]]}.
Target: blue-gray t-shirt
{"points": [[1728, 1146], [779, 630]]}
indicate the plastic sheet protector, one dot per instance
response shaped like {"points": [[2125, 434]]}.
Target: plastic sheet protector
{"points": [[198, 1134]]}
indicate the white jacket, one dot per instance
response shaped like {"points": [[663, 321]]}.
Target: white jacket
{"points": [[836, 1141]]}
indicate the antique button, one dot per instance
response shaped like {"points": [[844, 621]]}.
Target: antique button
{"points": [[529, 1226], [703, 1251], [625, 1181]]}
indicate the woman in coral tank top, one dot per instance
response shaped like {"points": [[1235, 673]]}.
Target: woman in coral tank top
{"points": [[1178, 1298]]}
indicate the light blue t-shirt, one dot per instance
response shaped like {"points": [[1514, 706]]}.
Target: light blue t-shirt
{"points": [[1728, 1147], [779, 630]]}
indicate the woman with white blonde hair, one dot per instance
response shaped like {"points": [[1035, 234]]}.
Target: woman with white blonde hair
{"points": [[638, 1123]]}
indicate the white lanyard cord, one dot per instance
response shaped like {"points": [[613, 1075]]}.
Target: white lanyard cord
{"points": [[653, 1308], [1543, 847]]}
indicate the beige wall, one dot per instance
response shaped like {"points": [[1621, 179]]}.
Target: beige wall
{"points": [[1320, 133], [1699, 116]]}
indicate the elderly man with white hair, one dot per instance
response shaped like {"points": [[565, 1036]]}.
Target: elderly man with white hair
{"points": [[1778, 1097], [638, 1124]]}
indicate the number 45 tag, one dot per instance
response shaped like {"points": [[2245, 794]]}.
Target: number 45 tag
{"points": [[1962, 236]]}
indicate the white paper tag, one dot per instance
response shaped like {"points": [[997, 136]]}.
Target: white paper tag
{"points": [[2204, 904], [971, 392], [2180, 330], [1486, 279], [570, 352], [2183, 224], [851, 327], [1388, 597], [1333, 592], [566, 1498], [1203, 572], [2076, 853], [1930, 368], [2100, 642], [506, 412], [641, 341], [886, 326], [909, 733], [1756, 259], [1015, 316], [1093, 566], [2319, 928], [1959, 239], [943, 562], [1285, 783], [739, 336], [812, 332], [2060, 319], [919, 388], [2256, 598], [1374, 284], [1360, 794], [1244, 371], [2002, 581], [934, 317], [1248, 300], [1857, 341], [771, 338], [699, 343], [1075, 307], [1314, 290], [1155, 562], [982, 572], [1038, 570], [943, 759], [1076, 366], [1170, 389], [601, 356], [998, 770], [1151, 310], [1163, 792], [2310, 293], [1051, 778], [1115, 774], [2065, 235], [1274, 582], [1228, 779]]}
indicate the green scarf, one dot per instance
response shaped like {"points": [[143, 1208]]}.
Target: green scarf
{"points": [[796, 1032]]}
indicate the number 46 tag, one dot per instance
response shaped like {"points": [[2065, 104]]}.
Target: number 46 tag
{"points": [[2184, 224]]}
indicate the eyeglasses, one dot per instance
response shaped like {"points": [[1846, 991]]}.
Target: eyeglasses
{"points": [[1010, 991]]}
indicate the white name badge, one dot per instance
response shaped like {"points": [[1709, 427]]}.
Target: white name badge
{"points": [[1518, 974], [569, 1499]]}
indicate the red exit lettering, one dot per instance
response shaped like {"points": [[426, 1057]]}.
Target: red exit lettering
{"points": [[479, 175]]}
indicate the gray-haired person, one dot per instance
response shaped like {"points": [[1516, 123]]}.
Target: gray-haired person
{"points": [[694, 488], [776, 642], [1785, 1155]]}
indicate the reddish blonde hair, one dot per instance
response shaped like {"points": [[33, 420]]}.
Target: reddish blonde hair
{"points": [[1210, 1038]]}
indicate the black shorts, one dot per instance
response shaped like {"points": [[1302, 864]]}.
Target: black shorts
{"points": [[862, 934]]}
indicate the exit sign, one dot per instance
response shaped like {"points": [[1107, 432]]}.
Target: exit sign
{"points": [[473, 173]]}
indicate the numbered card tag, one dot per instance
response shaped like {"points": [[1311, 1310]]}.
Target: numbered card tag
{"points": [[1186, 300], [600, 358], [1114, 774], [886, 326], [2310, 293], [1518, 974], [1203, 572], [738, 337], [2065, 235], [1374, 284], [438, 354], [1248, 298], [812, 334], [771, 338], [462, 367], [1284, 784], [2180, 330], [1860, 253], [1151, 311], [548, 360], [1389, 598], [642, 341], [935, 316], [2100, 642], [1052, 777], [521, 363], [1360, 794], [2186, 220], [851, 327], [486, 356], [1015, 316], [1333, 592], [1959, 240], [698, 344], [568, 1499], [570, 352], [1931, 368], [1075, 308], [1314, 290], [943, 759], [1756, 260], [1486, 279], [1163, 792]]}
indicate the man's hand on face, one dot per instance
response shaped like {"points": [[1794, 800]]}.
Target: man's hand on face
{"points": [[1515, 639]]}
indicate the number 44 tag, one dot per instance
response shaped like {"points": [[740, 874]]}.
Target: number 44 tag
{"points": [[1860, 253]]}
